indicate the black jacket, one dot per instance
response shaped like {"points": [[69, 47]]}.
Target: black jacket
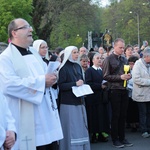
{"points": [[113, 68], [94, 79], [69, 74]]}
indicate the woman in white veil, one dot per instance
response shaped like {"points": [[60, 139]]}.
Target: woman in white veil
{"points": [[72, 109]]}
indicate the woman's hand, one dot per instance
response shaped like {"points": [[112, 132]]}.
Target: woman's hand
{"points": [[79, 82]]}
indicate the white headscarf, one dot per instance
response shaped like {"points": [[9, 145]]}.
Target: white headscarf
{"points": [[36, 45], [67, 55]]}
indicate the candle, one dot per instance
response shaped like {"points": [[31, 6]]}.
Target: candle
{"points": [[126, 69]]}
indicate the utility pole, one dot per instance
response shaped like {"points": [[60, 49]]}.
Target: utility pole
{"points": [[138, 26]]}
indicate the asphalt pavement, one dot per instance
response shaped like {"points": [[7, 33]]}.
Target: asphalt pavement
{"points": [[139, 143]]}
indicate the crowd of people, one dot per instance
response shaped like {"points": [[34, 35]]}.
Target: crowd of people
{"points": [[39, 109]]}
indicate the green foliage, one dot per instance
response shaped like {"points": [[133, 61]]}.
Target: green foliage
{"points": [[74, 23], [67, 22], [67, 30], [122, 23], [10, 10]]}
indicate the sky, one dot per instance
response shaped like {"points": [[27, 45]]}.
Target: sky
{"points": [[104, 2]]}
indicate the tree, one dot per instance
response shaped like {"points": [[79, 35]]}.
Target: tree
{"points": [[123, 24], [59, 22], [10, 10], [74, 23]]}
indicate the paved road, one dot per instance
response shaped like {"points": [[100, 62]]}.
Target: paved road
{"points": [[139, 142]]}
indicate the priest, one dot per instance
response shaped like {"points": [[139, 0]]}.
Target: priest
{"points": [[26, 87]]}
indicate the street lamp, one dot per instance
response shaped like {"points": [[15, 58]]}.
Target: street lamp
{"points": [[138, 26]]}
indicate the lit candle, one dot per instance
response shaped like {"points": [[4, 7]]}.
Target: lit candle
{"points": [[126, 69]]}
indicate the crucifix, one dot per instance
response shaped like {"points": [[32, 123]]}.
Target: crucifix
{"points": [[26, 140]]}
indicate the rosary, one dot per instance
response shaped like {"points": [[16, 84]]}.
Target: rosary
{"points": [[52, 103]]}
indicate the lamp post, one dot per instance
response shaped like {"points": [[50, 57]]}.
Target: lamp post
{"points": [[138, 26], [90, 45]]}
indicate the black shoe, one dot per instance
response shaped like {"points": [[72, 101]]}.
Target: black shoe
{"points": [[94, 139], [118, 144], [101, 138], [126, 143], [134, 129]]}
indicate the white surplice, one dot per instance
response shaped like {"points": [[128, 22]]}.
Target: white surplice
{"points": [[31, 89], [7, 122]]}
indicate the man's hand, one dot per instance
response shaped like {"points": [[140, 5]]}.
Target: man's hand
{"points": [[103, 86], [126, 76], [142, 47], [79, 82], [50, 79], [10, 140]]}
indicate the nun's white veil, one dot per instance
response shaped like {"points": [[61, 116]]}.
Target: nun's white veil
{"points": [[36, 45], [67, 55]]}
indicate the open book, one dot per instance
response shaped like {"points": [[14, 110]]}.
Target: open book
{"points": [[82, 90]]}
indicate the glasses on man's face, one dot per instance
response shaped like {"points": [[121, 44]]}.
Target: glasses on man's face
{"points": [[44, 47], [23, 27]]}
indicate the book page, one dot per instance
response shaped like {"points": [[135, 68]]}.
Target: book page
{"points": [[82, 90]]}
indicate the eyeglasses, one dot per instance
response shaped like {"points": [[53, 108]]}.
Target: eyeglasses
{"points": [[24, 27], [44, 47]]}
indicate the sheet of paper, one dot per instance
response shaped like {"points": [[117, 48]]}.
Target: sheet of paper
{"points": [[104, 81], [53, 66], [82, 90]]}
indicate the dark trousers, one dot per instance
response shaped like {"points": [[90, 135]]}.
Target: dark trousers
{"points": [[119, 104], [52, 146], [144, 116]]}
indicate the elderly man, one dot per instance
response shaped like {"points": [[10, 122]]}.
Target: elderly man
{"points": [[113, 72], [26, 87], [141, 88], [82, 51]]}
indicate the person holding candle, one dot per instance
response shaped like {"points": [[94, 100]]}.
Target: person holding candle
{"points": [[114, 73]]}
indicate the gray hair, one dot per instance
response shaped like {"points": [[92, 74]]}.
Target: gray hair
{"points": [[146, 51], [118, 40], [84, 56], [96, 54], [12, 25]]}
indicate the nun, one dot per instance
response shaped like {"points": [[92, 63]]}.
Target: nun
{"points": [[42, 49], [72, 109]]}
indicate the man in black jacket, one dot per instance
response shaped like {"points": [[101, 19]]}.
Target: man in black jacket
{"points": [[113, 72]]}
